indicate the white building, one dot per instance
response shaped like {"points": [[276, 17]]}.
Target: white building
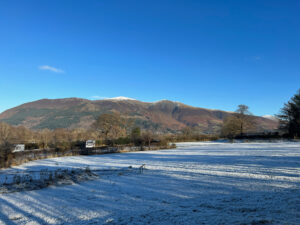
{"points": [[19, 148], [90, 144]]}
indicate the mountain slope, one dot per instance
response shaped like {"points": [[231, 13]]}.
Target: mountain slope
{"points": [[165, 116]]}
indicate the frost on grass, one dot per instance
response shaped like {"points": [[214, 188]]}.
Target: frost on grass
{"points": [[26, 182], [198, 183]]}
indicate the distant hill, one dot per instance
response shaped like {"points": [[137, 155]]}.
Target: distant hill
{"points": [[164, 116]]}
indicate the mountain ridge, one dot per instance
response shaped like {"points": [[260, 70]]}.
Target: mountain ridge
{"points": [[163, 115]]}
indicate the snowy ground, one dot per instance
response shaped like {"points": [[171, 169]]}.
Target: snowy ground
{"points": [[197, 183]]}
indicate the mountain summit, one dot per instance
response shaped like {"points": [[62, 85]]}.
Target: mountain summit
{"points": [[120, 98], [164, 115]]}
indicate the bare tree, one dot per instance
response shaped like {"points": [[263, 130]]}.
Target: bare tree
{"points": [[80, 134], [244, 118], [243, 110], [45, 137], [22, 135], [147, 138], [187, 132], [238, 123], [60, 135], [5, 133], [231, 127], [5, 145]]}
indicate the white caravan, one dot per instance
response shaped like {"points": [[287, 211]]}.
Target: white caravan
{"points": [[19, 148], [90, 144]]}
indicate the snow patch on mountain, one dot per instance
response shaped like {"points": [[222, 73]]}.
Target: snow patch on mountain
{"points": [[270, 117], [120, 98]]}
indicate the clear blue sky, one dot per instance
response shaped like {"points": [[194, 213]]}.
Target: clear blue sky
{"points": [[206, 53]]}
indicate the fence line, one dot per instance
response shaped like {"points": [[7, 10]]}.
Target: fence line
{"points": [[18, 158]]}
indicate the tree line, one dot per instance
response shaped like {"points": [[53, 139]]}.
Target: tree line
{"points": [[108, 129]]}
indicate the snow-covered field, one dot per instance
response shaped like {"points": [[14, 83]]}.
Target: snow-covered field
{"points": [[197, 183]]}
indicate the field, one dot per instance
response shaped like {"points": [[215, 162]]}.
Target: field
{"points": [[197, 183]]}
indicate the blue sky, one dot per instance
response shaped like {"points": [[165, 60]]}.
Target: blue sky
{"points": [[208, 53]]}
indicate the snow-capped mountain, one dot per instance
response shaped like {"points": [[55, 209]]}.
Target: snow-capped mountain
{"points": [[162, 116]]}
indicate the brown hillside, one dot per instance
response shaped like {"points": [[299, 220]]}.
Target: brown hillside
{"points": [[165, 116]]}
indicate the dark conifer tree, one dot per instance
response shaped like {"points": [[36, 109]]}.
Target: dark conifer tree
{"points": [[289, 117]]}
